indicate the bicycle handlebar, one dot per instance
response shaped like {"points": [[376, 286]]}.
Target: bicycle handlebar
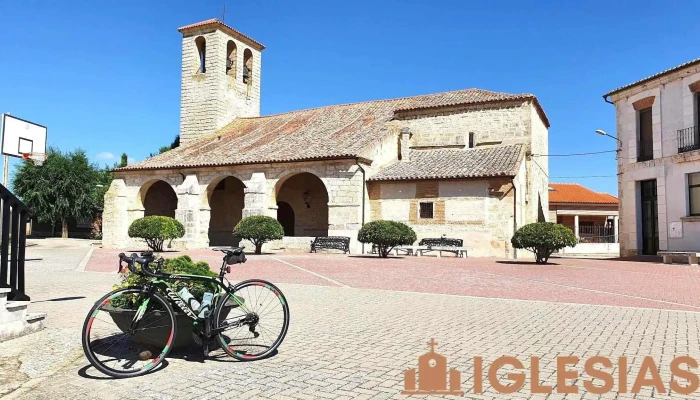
{"points": [[145, 259]]}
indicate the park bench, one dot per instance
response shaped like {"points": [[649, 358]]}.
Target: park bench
{"points": [[668, 256], [331, 242], [439, 245]]}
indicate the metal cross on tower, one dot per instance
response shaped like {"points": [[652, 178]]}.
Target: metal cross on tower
{"points": [[432, 344]]}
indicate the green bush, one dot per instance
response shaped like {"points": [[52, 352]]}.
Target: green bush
{"points": [[543, 239], [258, 229], [179, 265], [156, 229], [386, 235]]}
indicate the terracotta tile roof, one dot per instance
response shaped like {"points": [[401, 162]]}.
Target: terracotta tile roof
{"points": [[224, 27], [454, 163], [575, 193], [656, 75], [340, 131]]}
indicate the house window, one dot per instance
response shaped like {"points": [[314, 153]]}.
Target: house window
{"points": [[646, 136], [426, 210], [202, 53], [471, 140], [694, 193]]}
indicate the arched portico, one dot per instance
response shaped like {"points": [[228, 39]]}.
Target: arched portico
{"points": [[225, 199], [305, 195], [157, 197]]}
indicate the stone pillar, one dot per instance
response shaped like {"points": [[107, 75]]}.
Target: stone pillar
{"points": [[256, 197], [188, 207], [576, 226], [616, 221], [115, 218]]}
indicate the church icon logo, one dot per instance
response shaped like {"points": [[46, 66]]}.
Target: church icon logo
{"points": [[432, 375]]}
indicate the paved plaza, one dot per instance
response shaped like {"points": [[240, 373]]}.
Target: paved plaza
{"points": [[357, 323]]}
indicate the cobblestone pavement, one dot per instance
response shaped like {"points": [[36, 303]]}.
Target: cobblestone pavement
{"points": [[350, 340]]}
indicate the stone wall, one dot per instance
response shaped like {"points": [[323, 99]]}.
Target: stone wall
{"points": [[213, 99], [124, 199], [480, 212]]}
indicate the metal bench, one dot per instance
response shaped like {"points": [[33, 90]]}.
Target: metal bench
{"points": [[668, 256], [331, 242], [439, 245]]}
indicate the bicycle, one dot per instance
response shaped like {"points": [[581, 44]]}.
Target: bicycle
{"points": [[145, 325]]}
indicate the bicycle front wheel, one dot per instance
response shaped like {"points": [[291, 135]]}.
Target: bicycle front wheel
{"points": [[255, 328], [127, 333]]}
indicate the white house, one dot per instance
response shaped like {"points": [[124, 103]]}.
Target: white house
{"points": [[659, 161]]}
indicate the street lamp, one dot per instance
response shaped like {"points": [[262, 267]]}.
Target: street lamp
{"points": [[603, 133]]}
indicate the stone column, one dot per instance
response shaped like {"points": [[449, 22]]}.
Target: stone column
{"points": [[616, 221], [188, 206], [115, 218], [256, 197], [576, 226]]}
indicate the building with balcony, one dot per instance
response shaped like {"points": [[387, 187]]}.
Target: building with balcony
{"points": [[659, 161]]}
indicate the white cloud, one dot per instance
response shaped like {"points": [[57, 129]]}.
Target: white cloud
{"points": [[105, 156]]}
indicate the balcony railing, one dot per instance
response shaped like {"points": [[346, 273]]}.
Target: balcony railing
{"points": [[688, 139], [595, 233]]}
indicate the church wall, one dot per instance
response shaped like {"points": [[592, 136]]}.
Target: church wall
{"points": [[462, 209], [538, 167]]}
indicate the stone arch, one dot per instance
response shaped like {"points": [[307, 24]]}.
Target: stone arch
{"points": [[225, 198], [201, 45], [247, 67], [285, 216], [307, 196], [157, 197], [231, 51]]}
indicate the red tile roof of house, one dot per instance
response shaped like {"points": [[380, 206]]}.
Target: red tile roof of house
{"points": [[656, 75], [331, 132], [575, 193]]}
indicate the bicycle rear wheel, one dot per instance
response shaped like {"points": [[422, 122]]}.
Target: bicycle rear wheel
{"points": [[254, 330], [127, 333]]}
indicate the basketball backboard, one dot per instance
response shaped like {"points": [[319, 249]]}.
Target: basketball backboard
{"points": [[21, 137]]}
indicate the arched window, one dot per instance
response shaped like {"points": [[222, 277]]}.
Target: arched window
{"points": [[202, 53], [247, 66], [231, 58]]}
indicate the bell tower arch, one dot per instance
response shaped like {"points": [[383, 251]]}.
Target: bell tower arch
{"points": [[220, 78]]}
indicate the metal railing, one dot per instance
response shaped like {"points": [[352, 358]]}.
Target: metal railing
{"points": [[13, 240], [688, 139], [595, 233]]}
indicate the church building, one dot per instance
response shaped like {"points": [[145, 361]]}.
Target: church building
{"points": [[456, 164]]}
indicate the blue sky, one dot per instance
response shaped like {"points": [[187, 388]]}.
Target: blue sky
{"points": [[105, 76]]}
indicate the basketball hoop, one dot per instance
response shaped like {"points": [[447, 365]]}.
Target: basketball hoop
{"points": [[36, 158]]}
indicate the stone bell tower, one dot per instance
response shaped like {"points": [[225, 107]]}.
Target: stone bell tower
{"points": [[220, 78]]}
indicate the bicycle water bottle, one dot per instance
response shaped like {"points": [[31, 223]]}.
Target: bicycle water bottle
{"points": [[205, 309], [189, 299]]}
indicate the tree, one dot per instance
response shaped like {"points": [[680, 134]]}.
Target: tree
{"points": [[156, 229], [61, 189], [386, 235], [543, 239], [123, 162], [174, 144], [258, 229]]}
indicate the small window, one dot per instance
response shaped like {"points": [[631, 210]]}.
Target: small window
{"points": [[201, 53], [426, 210], [646, 136], [231, 58], [694, 193], [471, 140]]}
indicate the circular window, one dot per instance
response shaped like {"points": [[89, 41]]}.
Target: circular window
{"points": [[432, 362]]}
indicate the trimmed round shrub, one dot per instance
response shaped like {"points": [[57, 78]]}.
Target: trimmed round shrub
{"points": [[386, 235], [543, 239], [178, 265], [258, 229], [155, 230]]}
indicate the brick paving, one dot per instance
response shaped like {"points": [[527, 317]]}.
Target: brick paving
{"points": [[358, 323]]}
